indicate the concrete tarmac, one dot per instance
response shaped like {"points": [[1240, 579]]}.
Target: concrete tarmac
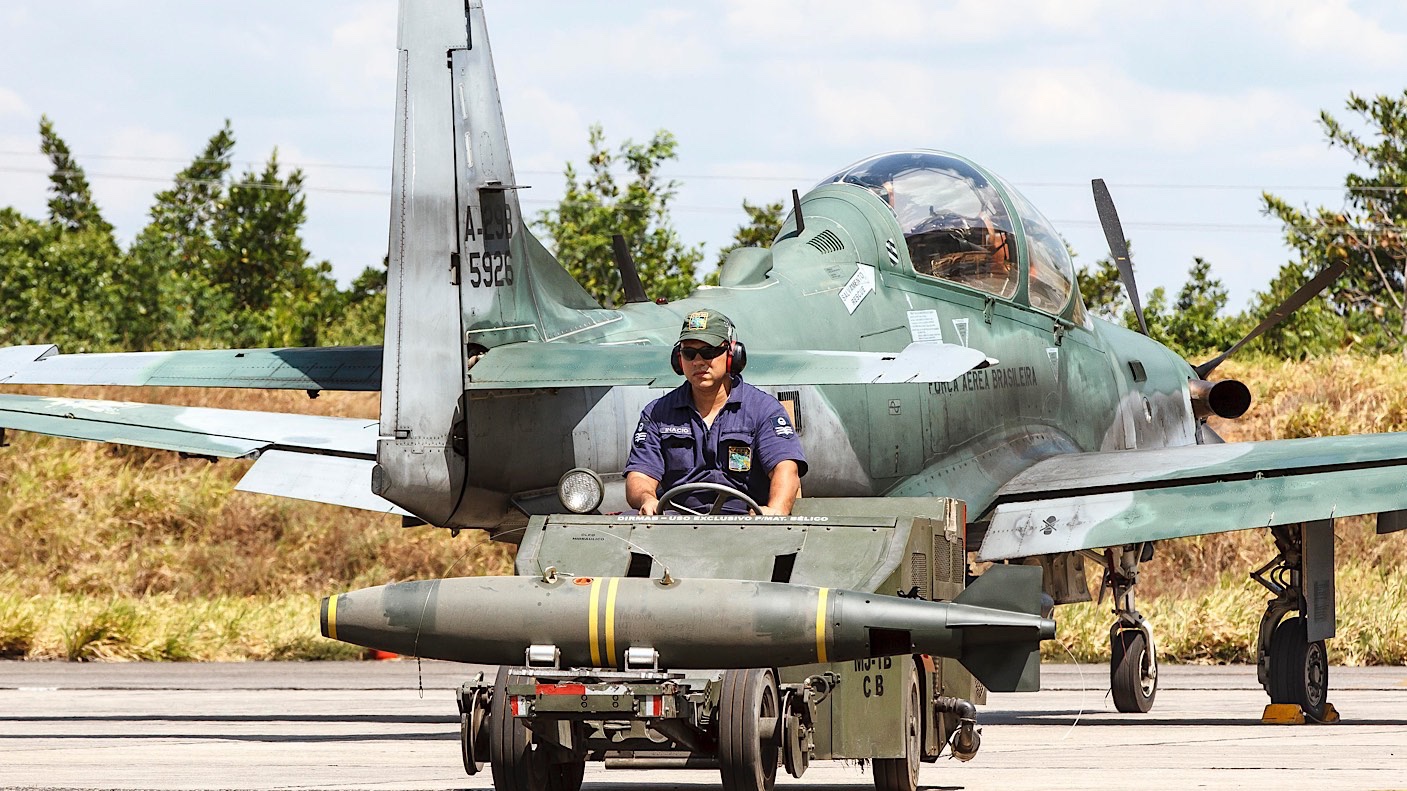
{"points": [[369, 726]]}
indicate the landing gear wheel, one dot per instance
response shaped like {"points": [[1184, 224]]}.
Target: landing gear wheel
{"points": [[473, 736], [901, 774], [749, 715], [795, 755], [1133, 677], [518, 764], [1299, 669]]}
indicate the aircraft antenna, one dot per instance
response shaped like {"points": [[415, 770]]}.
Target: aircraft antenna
{"points": [[796, 211], [1118, 246], [629, 275]]}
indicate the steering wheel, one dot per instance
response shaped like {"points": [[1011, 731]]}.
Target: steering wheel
{"points": [[725, 493]]}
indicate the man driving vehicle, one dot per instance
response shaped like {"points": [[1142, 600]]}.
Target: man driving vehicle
{"points": [[714, 428]]}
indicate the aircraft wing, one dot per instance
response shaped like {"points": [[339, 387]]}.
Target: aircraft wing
{"points": [[327, 368], [1091, 500], [538, 365], [306, 457]]}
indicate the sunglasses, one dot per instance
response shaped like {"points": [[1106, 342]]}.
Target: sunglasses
{"points": [[706, 352]]}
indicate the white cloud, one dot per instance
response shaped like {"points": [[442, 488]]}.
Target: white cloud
{"points": [[561, 123], [1332, 28], [1092, 105], [663, 43], [877, 103], [12, 104], [884, 23], [357, 60], [825, 22]]}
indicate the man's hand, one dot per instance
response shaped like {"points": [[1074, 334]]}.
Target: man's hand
{"points": [[768, 510], [640, 492]]}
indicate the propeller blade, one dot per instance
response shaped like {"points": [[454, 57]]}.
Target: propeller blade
{"points": [[1118, 246], [1303, 294]]}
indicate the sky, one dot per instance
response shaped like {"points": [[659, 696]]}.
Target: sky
{"points": [[1188, 109]]}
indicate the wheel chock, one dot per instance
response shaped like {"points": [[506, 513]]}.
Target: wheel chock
{"points": [[1331, 715], [1291, 714], [1282, 714]]}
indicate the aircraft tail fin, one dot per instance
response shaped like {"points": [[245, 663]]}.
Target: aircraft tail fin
{"points": [[989, 652], [464, 273]]}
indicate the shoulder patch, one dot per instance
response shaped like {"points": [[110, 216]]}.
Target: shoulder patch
{"points": [[782, 426]]}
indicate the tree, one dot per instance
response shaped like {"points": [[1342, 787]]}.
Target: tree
{"points": [[58, 278], [1102, 290], [71, 204], [594, 209], [362, 321], [1192, 324], [1196, 323], [1371, 297], [260, 261], [172, 263], [763, 223]]}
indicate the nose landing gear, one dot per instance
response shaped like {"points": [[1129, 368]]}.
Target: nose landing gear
{"points": [[1133, 655]]}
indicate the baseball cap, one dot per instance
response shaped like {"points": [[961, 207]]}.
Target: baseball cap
{"points": [[708, 326]]}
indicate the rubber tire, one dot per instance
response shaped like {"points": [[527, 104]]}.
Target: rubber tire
{"points": [[1126, 658], [1299, 669], [745, 762], [518, 764], [901, 774]]}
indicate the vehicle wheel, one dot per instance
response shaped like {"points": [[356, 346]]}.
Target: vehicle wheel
{"points": [[1299, 669], [901, 774], [473, 735], [1133, 679], [796, 736], [518, 764], [749, 714]]}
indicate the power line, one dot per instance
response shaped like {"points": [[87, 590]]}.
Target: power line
{"points": [[1152, 225], [1081, 185]]}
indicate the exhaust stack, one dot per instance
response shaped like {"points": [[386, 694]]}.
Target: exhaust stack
{"points": [[1226, 398]]}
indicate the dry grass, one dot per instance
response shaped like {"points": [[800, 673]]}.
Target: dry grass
{"points": [[1218, 624], [116, 553], [120, 553]]}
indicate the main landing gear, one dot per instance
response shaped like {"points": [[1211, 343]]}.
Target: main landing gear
{"points": [[1133, 661], [1292, 663]]}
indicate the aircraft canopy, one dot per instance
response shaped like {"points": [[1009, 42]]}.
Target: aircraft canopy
{"points": [[959, 224]]}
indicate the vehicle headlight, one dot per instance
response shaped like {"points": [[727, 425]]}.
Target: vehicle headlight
{"points": [[580, 490]]}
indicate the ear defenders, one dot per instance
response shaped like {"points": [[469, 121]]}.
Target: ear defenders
{"points": [[737, 356]]}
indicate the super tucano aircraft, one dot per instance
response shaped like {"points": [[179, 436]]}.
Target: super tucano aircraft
{"points": [[916, 314]]}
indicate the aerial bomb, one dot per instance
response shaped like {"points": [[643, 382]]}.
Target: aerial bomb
{"points": [[691, 623]]}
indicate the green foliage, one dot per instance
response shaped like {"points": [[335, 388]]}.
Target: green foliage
{"points": [[1370, 299], [71, 204], [216, 265], [363, 318], [1102, 291], [172, 261], [1193, 324], [593, 209], [763, 223], [1315, 329]]}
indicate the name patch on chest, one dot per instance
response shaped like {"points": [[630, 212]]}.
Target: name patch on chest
{"points": [[676, 431], [739, 458]]}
